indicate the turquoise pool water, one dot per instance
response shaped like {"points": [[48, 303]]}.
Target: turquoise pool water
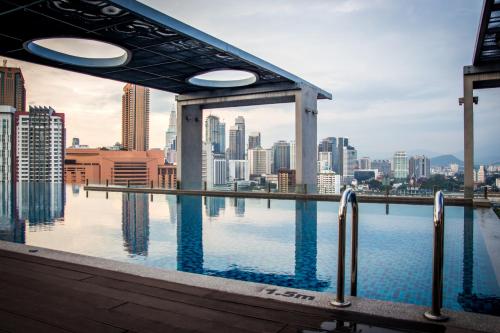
{"points": [[280, 242]]}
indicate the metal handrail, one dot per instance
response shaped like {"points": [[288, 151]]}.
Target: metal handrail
{"points": [[437, 261], [347, 196]]}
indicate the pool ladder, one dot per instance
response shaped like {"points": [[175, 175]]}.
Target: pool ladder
{"points": [[349, 196]]}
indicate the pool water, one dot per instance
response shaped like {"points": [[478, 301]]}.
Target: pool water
{"points": [[279, 242]]}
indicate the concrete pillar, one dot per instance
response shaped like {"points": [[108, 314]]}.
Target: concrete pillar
{"points": [[468, 138], [306, 116], [189, 145]]}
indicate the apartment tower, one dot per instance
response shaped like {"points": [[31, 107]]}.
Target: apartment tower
{"points": [[135, 117], [12, 91]]}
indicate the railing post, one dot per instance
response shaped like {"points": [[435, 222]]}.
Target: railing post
{"points": [[347, 196], [107, 182], [305, 188], [128, 183], [437, 261], [269, 187], [204, 185], [486, 192], [152, 184], [87, 182]]}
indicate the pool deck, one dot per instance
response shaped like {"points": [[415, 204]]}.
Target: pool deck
{"points": [[52, 291], [415, 200]]}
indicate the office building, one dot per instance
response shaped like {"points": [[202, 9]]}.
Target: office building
{"points": [[220, 171], [281, 156], [328, 182], [350, 157], [365, 163], [292, 155], [215, 133], [254, 140], [400, 165], [259, 161], [324, 161], [338, 162], [40, 140], [419, 167], [167, 176], [383, 166], [171, 138], [117, 167], [135, 117], [329, 145], [286, 180], [12, 91], [6, 143], [237, 140], [238, 170]]}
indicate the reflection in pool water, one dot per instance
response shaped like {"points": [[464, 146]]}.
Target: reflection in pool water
{"points": [[280, 242]]}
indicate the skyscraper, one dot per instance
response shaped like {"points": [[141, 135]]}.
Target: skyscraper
{"points": [[350, 156], [339, 159], [364, 163], [40, 145], [135, 117], [419, 166], [215, 133], [281, 156], [240, 142], [329, 145], [12, 91], [400, 165], [259, 161], [6, 142], [254, 140], [171, 137], [237, 140], [292, 155]]}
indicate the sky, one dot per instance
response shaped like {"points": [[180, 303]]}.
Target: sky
{"points": [[394, 69]]}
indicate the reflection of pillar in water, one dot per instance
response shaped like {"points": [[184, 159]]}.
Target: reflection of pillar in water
{"points": [[135, 223], [386, 209], [468, 263], [306, 241], [189, 234]]}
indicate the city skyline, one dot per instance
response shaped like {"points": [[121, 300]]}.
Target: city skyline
{"points": [[364, 101]]}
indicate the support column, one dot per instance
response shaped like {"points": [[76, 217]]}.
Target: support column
{"points": [[306, 116], [468, 138], [189, 145]]}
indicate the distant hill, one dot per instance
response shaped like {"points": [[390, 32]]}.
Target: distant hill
{"points": [[445, 160]]}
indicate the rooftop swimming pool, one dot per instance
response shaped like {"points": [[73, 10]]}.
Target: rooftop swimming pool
{"points": [[277, 242]]}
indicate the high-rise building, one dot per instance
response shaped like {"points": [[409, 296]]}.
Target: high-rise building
{"points": [[6, 143], [324, 161], [281, 156], [481, 175], [365, 163], [339, 159], [419, 167], [400, 165], [240, 123], [292, 155], [329, 145], [40, 138], [254, 140], [222, 138], [286, 180], [260, 161], [383, 166], [328, 182], [12, 91], [220, 171], [171, 138], [350, 156], [237, 140], [135, 117], [215, 133], [238, 170]]}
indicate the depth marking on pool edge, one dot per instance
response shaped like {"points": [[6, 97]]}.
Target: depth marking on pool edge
{"points": [[287, 293]]}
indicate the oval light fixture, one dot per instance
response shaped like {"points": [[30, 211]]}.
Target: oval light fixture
{"points": [[224, 78], [79, 51]]}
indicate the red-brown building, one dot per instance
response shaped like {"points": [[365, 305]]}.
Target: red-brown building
{"points": [[118, 167]]}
